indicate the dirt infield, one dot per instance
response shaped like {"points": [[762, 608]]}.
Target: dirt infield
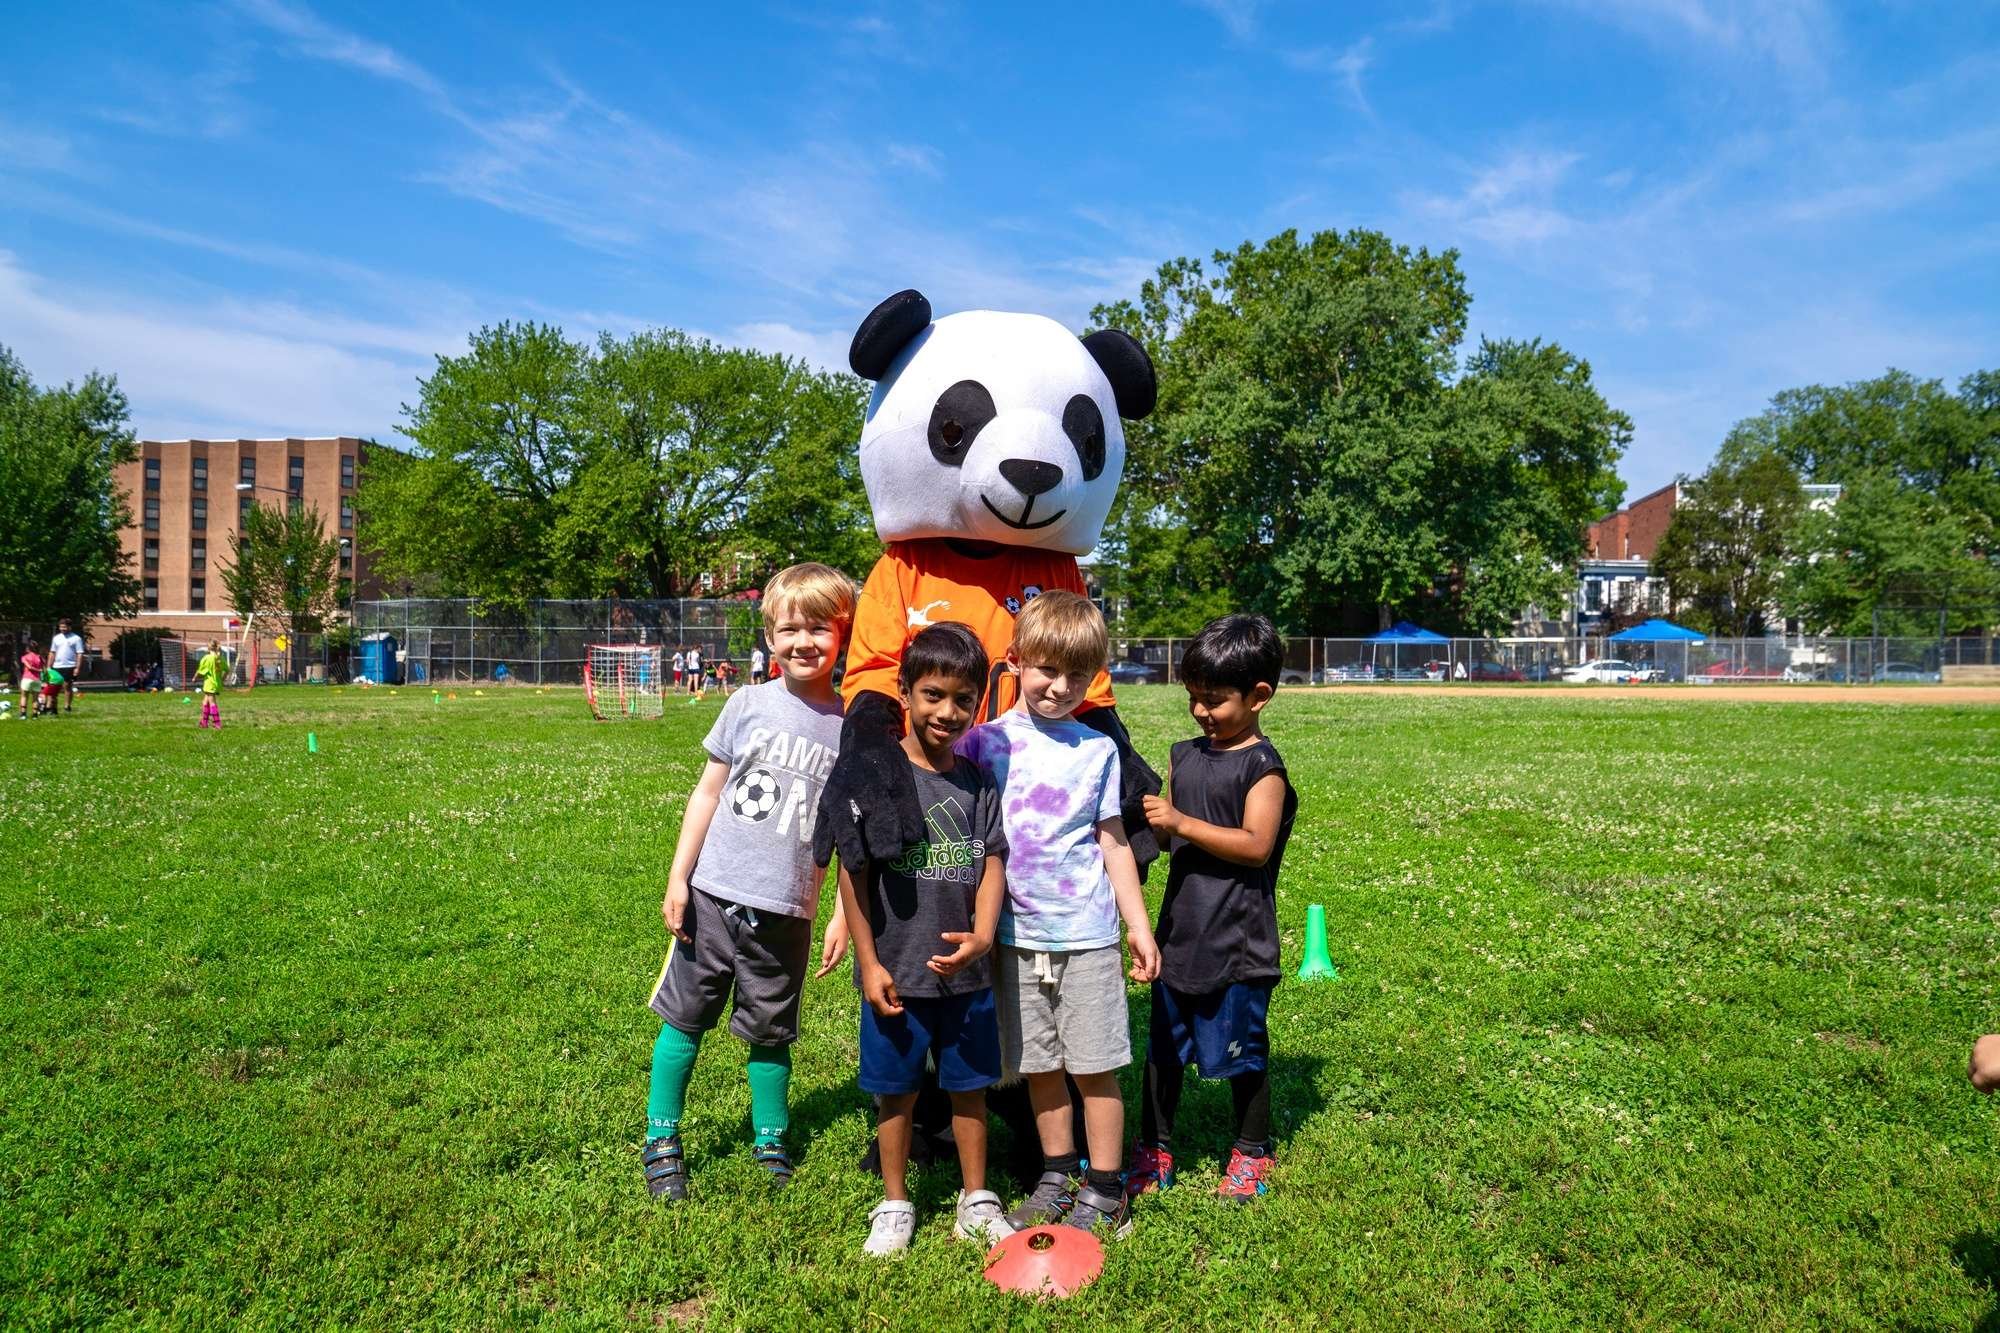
{"points": [[1953, 695]]}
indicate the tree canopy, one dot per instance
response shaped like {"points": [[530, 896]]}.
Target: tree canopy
{"points": [[546, 467], [1911, 544], [1317, 454], [61, 512], [1725, 553], [284, 567]]}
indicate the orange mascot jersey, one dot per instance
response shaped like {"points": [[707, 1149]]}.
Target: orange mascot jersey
{"points": [[929, 581]]}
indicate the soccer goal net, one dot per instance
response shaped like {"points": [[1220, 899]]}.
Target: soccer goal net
{"points": [[623, 680], [179, 658], [176, 664]]}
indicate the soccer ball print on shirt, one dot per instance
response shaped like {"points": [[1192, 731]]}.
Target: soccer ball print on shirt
{"points": [[754, 796]]}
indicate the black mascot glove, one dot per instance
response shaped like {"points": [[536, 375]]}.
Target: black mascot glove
{"points": [[1136, 780], [868, 809]]}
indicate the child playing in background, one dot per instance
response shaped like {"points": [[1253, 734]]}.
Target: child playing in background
{"points": [[1225, 822], [1070, 878], [743, 889], [31, 676], [943, 893], [210, 670]]}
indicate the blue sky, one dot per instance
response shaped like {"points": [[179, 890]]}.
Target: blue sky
{"points": [[267, 216]]}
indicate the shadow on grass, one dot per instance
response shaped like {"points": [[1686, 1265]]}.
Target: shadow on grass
{"points": [[1978, 1256]]}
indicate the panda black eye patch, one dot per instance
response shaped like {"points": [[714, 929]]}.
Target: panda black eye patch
{"points": [[962, 411], [1084, 425]]}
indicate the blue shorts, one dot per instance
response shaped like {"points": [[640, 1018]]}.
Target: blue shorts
{"points": [[1222, 1032], [961, 1030]]}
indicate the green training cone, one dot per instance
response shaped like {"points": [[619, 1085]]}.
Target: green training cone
{"points": [[1318, 965], [312, 747]]}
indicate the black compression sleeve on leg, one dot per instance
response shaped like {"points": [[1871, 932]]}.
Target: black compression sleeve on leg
{"points": [[1251, 1092], [1159, 1101]]}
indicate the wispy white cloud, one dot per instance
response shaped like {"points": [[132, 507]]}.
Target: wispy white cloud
{"points": [[222, 367], [1793, 37], [1510, 202], [313, 37], [1238, 17], [920, 158], [30, 148], [1347, 66]]}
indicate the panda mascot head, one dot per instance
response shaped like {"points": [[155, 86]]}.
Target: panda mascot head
{"points": [[994, 427]]}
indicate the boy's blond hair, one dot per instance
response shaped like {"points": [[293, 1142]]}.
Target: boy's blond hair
{"points": [[817, 591], [1062, 630]]}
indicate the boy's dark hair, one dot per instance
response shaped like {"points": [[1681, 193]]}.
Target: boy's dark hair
{"points": [[1235, 652], [948, 649]]}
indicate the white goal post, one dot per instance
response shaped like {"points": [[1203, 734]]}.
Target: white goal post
{"points": [[622, 680]]}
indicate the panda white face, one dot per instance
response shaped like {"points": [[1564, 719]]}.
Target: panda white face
{"points": [[994, 427]]}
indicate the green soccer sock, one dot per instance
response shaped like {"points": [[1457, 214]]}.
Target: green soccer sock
{"points": [[770, 1090], [673, 1066]]}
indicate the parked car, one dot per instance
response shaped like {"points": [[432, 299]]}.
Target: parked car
{"points": [[1492, 671], [1128, 672], [1904, 673], [1352, 671], [1291, 676], [1608, 671]]}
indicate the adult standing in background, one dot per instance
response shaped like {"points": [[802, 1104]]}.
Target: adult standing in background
{"points": [[66, 659], [756, 665]]}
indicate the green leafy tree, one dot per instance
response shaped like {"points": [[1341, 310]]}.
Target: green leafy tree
{"points": [[1313, 458], [1724, 554], [284, 569], [1889, 558], [694, 456], [544, 468], [61, 512]]}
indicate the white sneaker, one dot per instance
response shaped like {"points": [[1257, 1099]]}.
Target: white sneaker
{"points": [[981, 1218], [891, 1223]]}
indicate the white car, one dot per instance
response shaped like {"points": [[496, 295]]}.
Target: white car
{"points": [[1607, 671]]}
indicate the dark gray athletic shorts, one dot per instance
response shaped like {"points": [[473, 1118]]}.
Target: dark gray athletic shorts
{"points": [[762, 955]]}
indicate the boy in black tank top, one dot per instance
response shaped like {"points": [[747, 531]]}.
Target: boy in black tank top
{"points": [[1226, 822]]}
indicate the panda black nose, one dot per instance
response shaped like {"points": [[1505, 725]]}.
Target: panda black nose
{"points": [[1030, 477]]}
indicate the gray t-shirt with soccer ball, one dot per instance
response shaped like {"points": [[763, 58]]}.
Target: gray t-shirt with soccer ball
{"points": [[779, 749]]}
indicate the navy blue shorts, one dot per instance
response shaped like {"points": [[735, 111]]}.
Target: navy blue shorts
{"points": [[1222, 1033], [961, 1030]]}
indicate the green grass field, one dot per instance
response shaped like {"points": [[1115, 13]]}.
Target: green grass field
{"points": [[1651, 1012]]}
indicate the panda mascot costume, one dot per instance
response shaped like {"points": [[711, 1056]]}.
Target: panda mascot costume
{"points": [[991, 451]]}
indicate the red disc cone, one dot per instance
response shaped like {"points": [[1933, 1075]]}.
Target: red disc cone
{"points": [[1045, 1261]]}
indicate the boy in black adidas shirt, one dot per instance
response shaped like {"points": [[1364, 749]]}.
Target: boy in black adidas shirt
{"points": [[1226, 821]]}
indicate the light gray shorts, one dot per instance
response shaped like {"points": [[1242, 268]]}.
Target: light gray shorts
{"points": [[1062, 1010]]}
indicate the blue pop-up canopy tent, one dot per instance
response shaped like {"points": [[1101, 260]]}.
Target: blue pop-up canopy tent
{"points": [[1404, 632], [1408, 645], [1658, 631]]}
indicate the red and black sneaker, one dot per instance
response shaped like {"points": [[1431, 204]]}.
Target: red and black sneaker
{"points": [[1151, 1170], [1246, 1177]]}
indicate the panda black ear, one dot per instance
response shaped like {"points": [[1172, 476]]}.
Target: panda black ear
{"points": [[1125, 363], [887, 331]]}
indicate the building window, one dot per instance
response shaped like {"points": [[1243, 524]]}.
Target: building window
{"points": [[708, 581], [243, 503], [201, 516], [346, 514], [347, 470], [152, 515], [152, 594], [295, 504], [246, 470], [152, 555], [298, 475], [152, 474], [198, 555], [198, 595], [200, 473]]}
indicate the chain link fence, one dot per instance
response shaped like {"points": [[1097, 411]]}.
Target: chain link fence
{"points": [[439, 640], [1585, 658]]}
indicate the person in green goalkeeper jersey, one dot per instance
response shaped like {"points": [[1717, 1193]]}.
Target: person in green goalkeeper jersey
{"points": [[210, 671]]}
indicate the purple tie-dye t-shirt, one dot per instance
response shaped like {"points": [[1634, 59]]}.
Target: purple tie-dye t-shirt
{"points": [[1057, 780]]}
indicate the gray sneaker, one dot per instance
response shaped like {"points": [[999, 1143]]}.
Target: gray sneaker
{"points": [[1053, 1196], [891, 1223], [980, 1218], [1093, 1209]]}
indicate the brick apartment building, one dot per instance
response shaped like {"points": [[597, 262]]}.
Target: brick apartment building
{"points": [[1616, 575], [188, 499]]}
